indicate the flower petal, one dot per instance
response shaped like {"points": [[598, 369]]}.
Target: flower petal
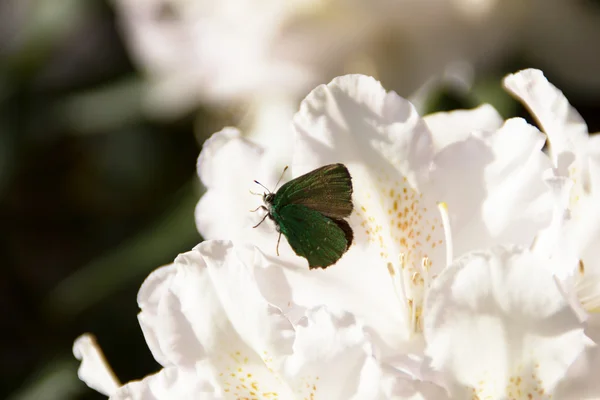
{"points": [[408, 389], [492, 183], [357, 283], [207, 304], [225, 204], [170, 383], [564, 126], [94, 370], [354, 120], [333, 359], [228, 166], [454, 126], [325, 340], [581, 380], [497, 326]]}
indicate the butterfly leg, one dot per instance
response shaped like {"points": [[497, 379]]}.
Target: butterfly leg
{"points": [[258, 208], [261, 221], [278, 240]]}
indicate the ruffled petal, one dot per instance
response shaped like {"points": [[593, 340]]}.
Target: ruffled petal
{"points": [[228, 166], [565, 128], [94, 369], [185, 383], [497, 326], [206, 305], [493, 185], [454, 126], [353, 120]]}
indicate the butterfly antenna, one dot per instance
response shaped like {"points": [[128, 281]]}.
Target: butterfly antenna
{"points": [[258, 183], [277, 184]]}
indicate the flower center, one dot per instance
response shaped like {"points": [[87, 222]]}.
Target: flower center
{"points": [[410, 286], [409, 232]]}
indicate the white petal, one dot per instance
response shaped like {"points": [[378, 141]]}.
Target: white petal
{"points": [[262, 325], [271, 124], [358, 282], [94, 370], [225, 149], [571, 242], [354, 120], [330, 354], [581, 380], [228, 166], [493, 186], [407, 389], [207, 52], [151, 297], [333, 359], [562, 123], [553, 235], [207, 304], [454, 126], [497, 326], [170, 383]]}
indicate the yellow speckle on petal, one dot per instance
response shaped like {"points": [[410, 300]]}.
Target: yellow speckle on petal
{"points": [[407, 228]]}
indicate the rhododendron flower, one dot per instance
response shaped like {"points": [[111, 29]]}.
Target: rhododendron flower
{"points": [[573, 239], [216, 336], [576, 179], [424, 189], [231, 50]]}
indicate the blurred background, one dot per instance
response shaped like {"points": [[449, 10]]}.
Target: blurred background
{"points": [[104, 106]]}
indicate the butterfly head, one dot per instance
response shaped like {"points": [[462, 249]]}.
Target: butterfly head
{"points": [[268, 198]]}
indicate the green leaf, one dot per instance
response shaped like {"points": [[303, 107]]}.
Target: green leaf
{"points": [[172, 233], [57, 380]]}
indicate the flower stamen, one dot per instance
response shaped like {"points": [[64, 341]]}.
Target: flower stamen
{"points": [[425, 267], [410, 286], [443, 208]]}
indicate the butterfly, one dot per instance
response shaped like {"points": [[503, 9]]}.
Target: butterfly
{"points": [[310, 210]]}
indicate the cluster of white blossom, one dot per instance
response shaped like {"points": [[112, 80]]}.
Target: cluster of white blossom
{"points": [[474, 270], [219, 52]]}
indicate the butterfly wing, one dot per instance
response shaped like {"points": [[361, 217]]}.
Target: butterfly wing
{"points": [[319, 239], [327, 190]]}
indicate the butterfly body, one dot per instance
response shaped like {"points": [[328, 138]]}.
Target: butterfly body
{"points": [[310, 210]]}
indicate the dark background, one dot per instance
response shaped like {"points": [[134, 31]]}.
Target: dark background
{"points": [[94, 194]]}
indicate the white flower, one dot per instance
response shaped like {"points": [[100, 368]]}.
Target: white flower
{"points": [[573, 239], [576, 181], [497, 326], [207, 324], [235, 49], [488, 174], [201, 50]]}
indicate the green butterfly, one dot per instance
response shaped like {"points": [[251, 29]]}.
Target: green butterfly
{"points": [[310, 212]]}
